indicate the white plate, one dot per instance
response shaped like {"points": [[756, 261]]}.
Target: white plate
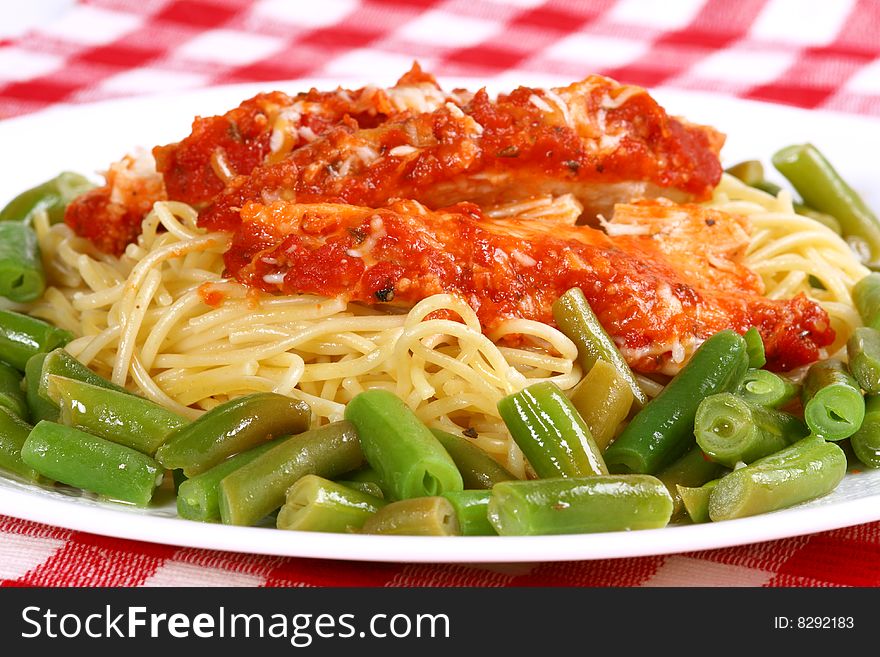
{"points": [[87, 138]]}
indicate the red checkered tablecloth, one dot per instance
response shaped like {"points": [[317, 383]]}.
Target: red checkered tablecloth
{"points": [[809, 53]]}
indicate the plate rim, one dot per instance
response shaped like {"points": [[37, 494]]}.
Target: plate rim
{"points": [[674, 539]]}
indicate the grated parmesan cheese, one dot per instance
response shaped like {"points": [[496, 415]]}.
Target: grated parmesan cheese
{"points": [[523, 258], [561, 104], [402, 151], [540, 103]]}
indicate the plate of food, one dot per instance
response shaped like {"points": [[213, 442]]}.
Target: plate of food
{"points": [[431, 322]]}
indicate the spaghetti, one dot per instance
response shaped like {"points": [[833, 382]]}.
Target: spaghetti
{"points": [[142, 318], [795, 254]]}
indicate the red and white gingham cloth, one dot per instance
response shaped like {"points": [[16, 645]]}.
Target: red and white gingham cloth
{"points": [[809, 53]]}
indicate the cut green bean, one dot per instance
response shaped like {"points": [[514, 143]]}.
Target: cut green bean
{"points": [[13, 433], [418, 516], [574, 317], [866, 297], [604, 399], [40, 407], [198, 497], [471, 509], [579, 505], [823, 189], [767, 389], [315, 504], [696, 500], [751, 172], [367, 475], [79, 459], [478, 469], [863, 354], [21, 337], [22, 278], [61, 363], [755, 348], [691, 470], [409, 459], [118, 416], [767, 187], [53, 196], [730, 429], [57, 363], [258, 488], [230, 428], [550, 432], [664, 429], [366, 487], [804, 471], [866, 441], [12, 396], [833, 404]]}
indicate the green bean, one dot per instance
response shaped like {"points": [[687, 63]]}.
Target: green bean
{"points": [[755, 348], [22, 277], [21, 337], [40, 407], [79, 459], [833, 404], [198, 497], [478, 469], [53, 196], [367, 475], [866, 297], [863, 354], [407, 456], [696, 500], [767, 187], [365, 487], [804, 471], [61, 363], [579, 505], [57, 363], [471, 509], [13, 433], [691, 470], [866, 441], [822, 188], [418, 516], [118, 416], [767, 389], [603, 399], [232, 427], [550, 432], [315, 504], [258, 488], [574, 317], [664, 429], [12, 397], [751, 172], [730, 429]]}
